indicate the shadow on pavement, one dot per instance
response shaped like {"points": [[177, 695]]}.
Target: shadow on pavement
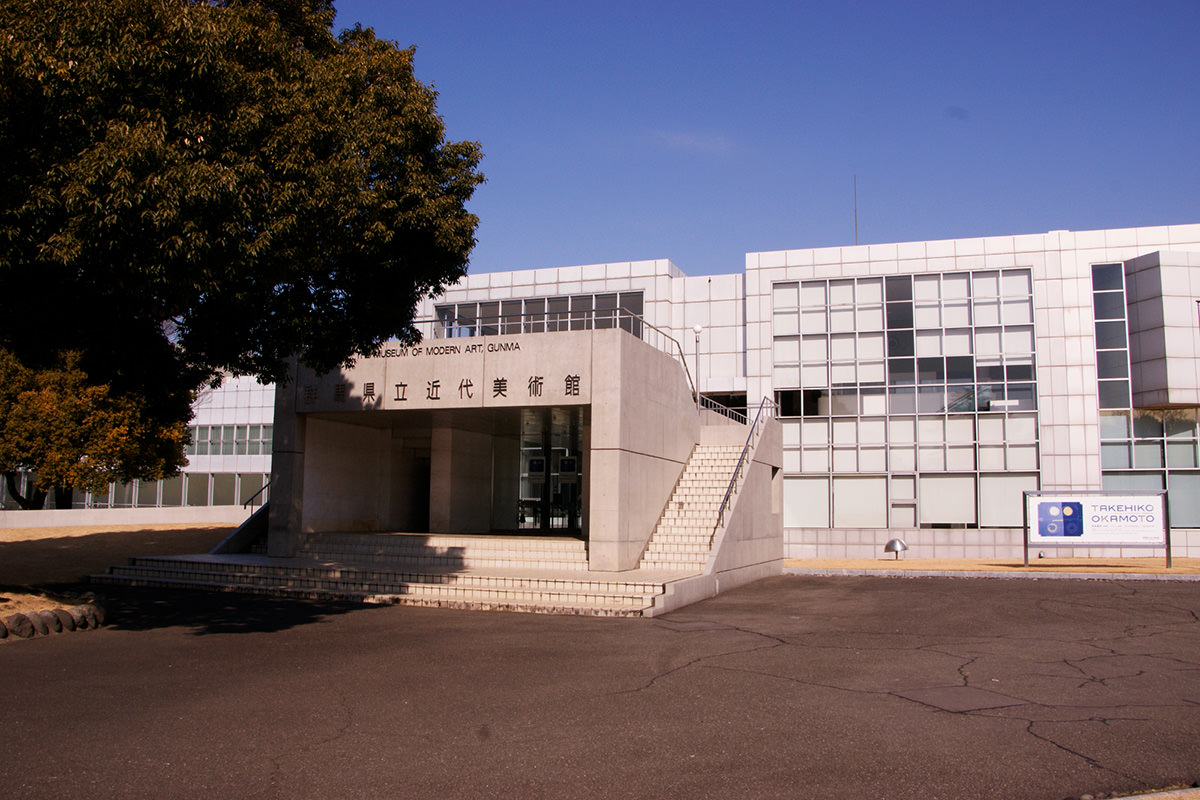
{"points": [[205, 613], [51, 560]]}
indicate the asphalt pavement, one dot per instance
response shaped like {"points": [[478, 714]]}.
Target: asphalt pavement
{"points": [[797, 686]]}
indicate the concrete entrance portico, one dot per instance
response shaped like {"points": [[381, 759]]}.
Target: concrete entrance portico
{"points": [[587, 431], [454, 471]]}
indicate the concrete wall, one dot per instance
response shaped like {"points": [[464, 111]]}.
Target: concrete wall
{"points": [[1164, 352], [337, 472], [346, 477], [184, 515], [754, 533], [460, 496], [644, 426]]}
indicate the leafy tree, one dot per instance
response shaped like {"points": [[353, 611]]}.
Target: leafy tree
{"points": [[198, 188], [72, 433]]}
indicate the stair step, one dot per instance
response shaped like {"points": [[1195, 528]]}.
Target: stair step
{"points": [[469, 603], [468, 588]]}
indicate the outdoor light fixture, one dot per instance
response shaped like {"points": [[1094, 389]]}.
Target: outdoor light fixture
{"points": [[696, 330], [896, 546]]}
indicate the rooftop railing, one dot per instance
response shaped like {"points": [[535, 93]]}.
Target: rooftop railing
{"points": [[448, 326]]}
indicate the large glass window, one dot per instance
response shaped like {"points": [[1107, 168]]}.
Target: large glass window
{"points": [[540, 314], [896, 374], [1142, 449], [1112, 340]]}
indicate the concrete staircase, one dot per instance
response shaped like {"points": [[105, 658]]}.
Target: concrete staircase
{"points": [[683, 538], [483, 572]]}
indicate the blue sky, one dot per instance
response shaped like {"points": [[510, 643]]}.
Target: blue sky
{"points": [[699, 131]]}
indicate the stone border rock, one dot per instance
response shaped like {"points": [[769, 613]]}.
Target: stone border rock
{"points": [[43, 623]]}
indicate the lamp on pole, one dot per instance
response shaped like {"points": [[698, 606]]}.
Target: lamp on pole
{"points": [[696, 330]]}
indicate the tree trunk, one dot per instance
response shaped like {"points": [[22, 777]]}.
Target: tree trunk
{"points": [[63, 496], [34, 501]]}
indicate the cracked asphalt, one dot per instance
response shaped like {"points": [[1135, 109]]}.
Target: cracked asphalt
{"points": [[797, 686]]}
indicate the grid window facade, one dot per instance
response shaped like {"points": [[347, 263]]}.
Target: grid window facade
{"points": [[1140, 449], [185, 489], [230, 440], [1112, 337], [541, 314], [920, 386]]}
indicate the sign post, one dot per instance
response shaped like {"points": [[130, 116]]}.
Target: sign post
{"points": [[1097, 519]]}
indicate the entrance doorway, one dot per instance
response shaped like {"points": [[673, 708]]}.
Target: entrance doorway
{"points": [[551, 493]]}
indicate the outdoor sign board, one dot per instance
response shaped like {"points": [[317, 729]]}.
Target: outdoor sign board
{"points": [[1096, 519]]}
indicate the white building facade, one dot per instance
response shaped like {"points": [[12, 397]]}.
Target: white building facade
{"points": [[922, 387]]}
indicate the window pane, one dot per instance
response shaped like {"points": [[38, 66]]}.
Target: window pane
{"points": [[1114, 426], [1183, 495], [860, 502], [581, 312], [535, 320], [902, 401], [899, 287], [223, 489], [806, 502], [1181, 455], [1111, 336], [931, 399], [1107, 276], [1112, 364], [606, 305], [489, 318], [1132, 482], [1181, 424], [1114, 394], [1001, 499], [902, 371], [947, 499], [1109, 305], [172, 491], [900, 343], [1147, 425], [1114, 455], [632, 302], [510, 316], [931, 370], [1020, 372], [197, 489], [844, 402], [900, 315]]}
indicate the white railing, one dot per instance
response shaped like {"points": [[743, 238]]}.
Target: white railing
{"points": [[552, 322]]}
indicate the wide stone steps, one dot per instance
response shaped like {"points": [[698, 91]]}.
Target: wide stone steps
{"points": [[447, 551], [682, 538], [424, 570], [345, 582]]}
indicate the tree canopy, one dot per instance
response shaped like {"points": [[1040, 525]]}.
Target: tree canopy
{"points": [[72, 433], [191, 189]]}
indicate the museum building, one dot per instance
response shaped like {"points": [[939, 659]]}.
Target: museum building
{"points": [[919, 388]]}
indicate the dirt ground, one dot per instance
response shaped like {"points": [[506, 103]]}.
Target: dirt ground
{"points": [[42, 567]]}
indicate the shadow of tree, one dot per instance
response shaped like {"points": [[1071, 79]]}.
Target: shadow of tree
{"points": [[49, 560], [211, 612]]}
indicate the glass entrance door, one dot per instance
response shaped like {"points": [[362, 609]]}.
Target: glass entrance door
{"points": [[551, 497]]}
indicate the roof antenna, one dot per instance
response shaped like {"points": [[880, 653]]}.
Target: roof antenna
{"points": [[856, 207]]}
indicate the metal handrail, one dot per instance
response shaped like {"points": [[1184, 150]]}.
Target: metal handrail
{"points": [[771, 408], [250, 500], [738, 414]]}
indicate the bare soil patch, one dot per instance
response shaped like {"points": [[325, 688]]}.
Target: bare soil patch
{"points": [[34, 561]]}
